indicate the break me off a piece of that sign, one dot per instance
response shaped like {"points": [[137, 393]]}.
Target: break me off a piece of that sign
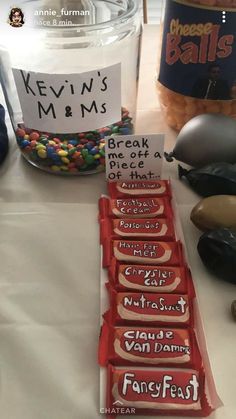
{"points": [[134, 157], [70, 103]]}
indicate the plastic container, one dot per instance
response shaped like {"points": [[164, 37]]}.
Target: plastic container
{"points": [[197, 70], [69, 74]]}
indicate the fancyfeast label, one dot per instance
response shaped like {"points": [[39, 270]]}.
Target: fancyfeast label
{"points": [[141, 227], [136, 188], [157, 387], [198, 51], [152, 278], [137, 207], [153, 307], [138, 344]]}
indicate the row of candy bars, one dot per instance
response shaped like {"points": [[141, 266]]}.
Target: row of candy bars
{"points": [[147, 341]]}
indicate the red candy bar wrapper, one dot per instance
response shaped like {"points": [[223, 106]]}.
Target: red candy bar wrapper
{"points": [[142, 252], [155, 188], [141, 346], [149, 278], [137, 228], [135, 208], [141, 391], [146, 308]]}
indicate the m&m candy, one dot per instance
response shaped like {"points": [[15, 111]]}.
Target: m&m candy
{"points": [[70, 153]]}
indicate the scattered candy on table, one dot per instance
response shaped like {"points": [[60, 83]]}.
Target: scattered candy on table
{"points": [[70, 153]]}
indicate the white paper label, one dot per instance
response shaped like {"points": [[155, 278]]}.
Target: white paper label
{"points": [[134, 157], [70, 103]]}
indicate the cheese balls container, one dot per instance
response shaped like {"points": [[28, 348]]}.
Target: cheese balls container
{"points": [[70, 78], [197, 66]]}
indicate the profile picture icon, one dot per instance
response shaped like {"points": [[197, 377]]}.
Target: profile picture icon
{"points": [[16, 17]]}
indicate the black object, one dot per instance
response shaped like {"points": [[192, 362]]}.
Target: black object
{"points": [[4, 142], [206, 89], [213, 179], [233, 309], [217, 249]]}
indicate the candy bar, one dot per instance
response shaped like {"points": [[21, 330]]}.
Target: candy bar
{"points": [[156, 391], [137, 228], [135, 208], [143, 252], [156, 188], [161, 279], [155, 309], [148, 346]]}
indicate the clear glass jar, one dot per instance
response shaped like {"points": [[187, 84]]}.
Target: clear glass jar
{"points": [[198, 41], [68, 66]]}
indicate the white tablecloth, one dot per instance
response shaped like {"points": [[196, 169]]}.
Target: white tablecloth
{"points": [[49, 282]]}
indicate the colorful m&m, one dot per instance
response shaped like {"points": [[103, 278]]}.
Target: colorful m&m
{"points": [[81, 153]]}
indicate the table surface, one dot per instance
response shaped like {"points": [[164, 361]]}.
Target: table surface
{"points": [[49, 283]]}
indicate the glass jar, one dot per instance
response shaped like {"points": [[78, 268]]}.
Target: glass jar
{"points": [[197, 69], [69, 71]]}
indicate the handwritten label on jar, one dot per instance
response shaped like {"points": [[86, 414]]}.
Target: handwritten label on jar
{"points": [[198, 51], [70, 103], [134, 157]]}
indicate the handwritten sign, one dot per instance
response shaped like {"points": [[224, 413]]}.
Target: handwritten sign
{"points": [[134, 157], [70, 103]]}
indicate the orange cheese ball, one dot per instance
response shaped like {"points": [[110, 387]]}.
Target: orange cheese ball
{"points": [[226, 107], [233, 107]]}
